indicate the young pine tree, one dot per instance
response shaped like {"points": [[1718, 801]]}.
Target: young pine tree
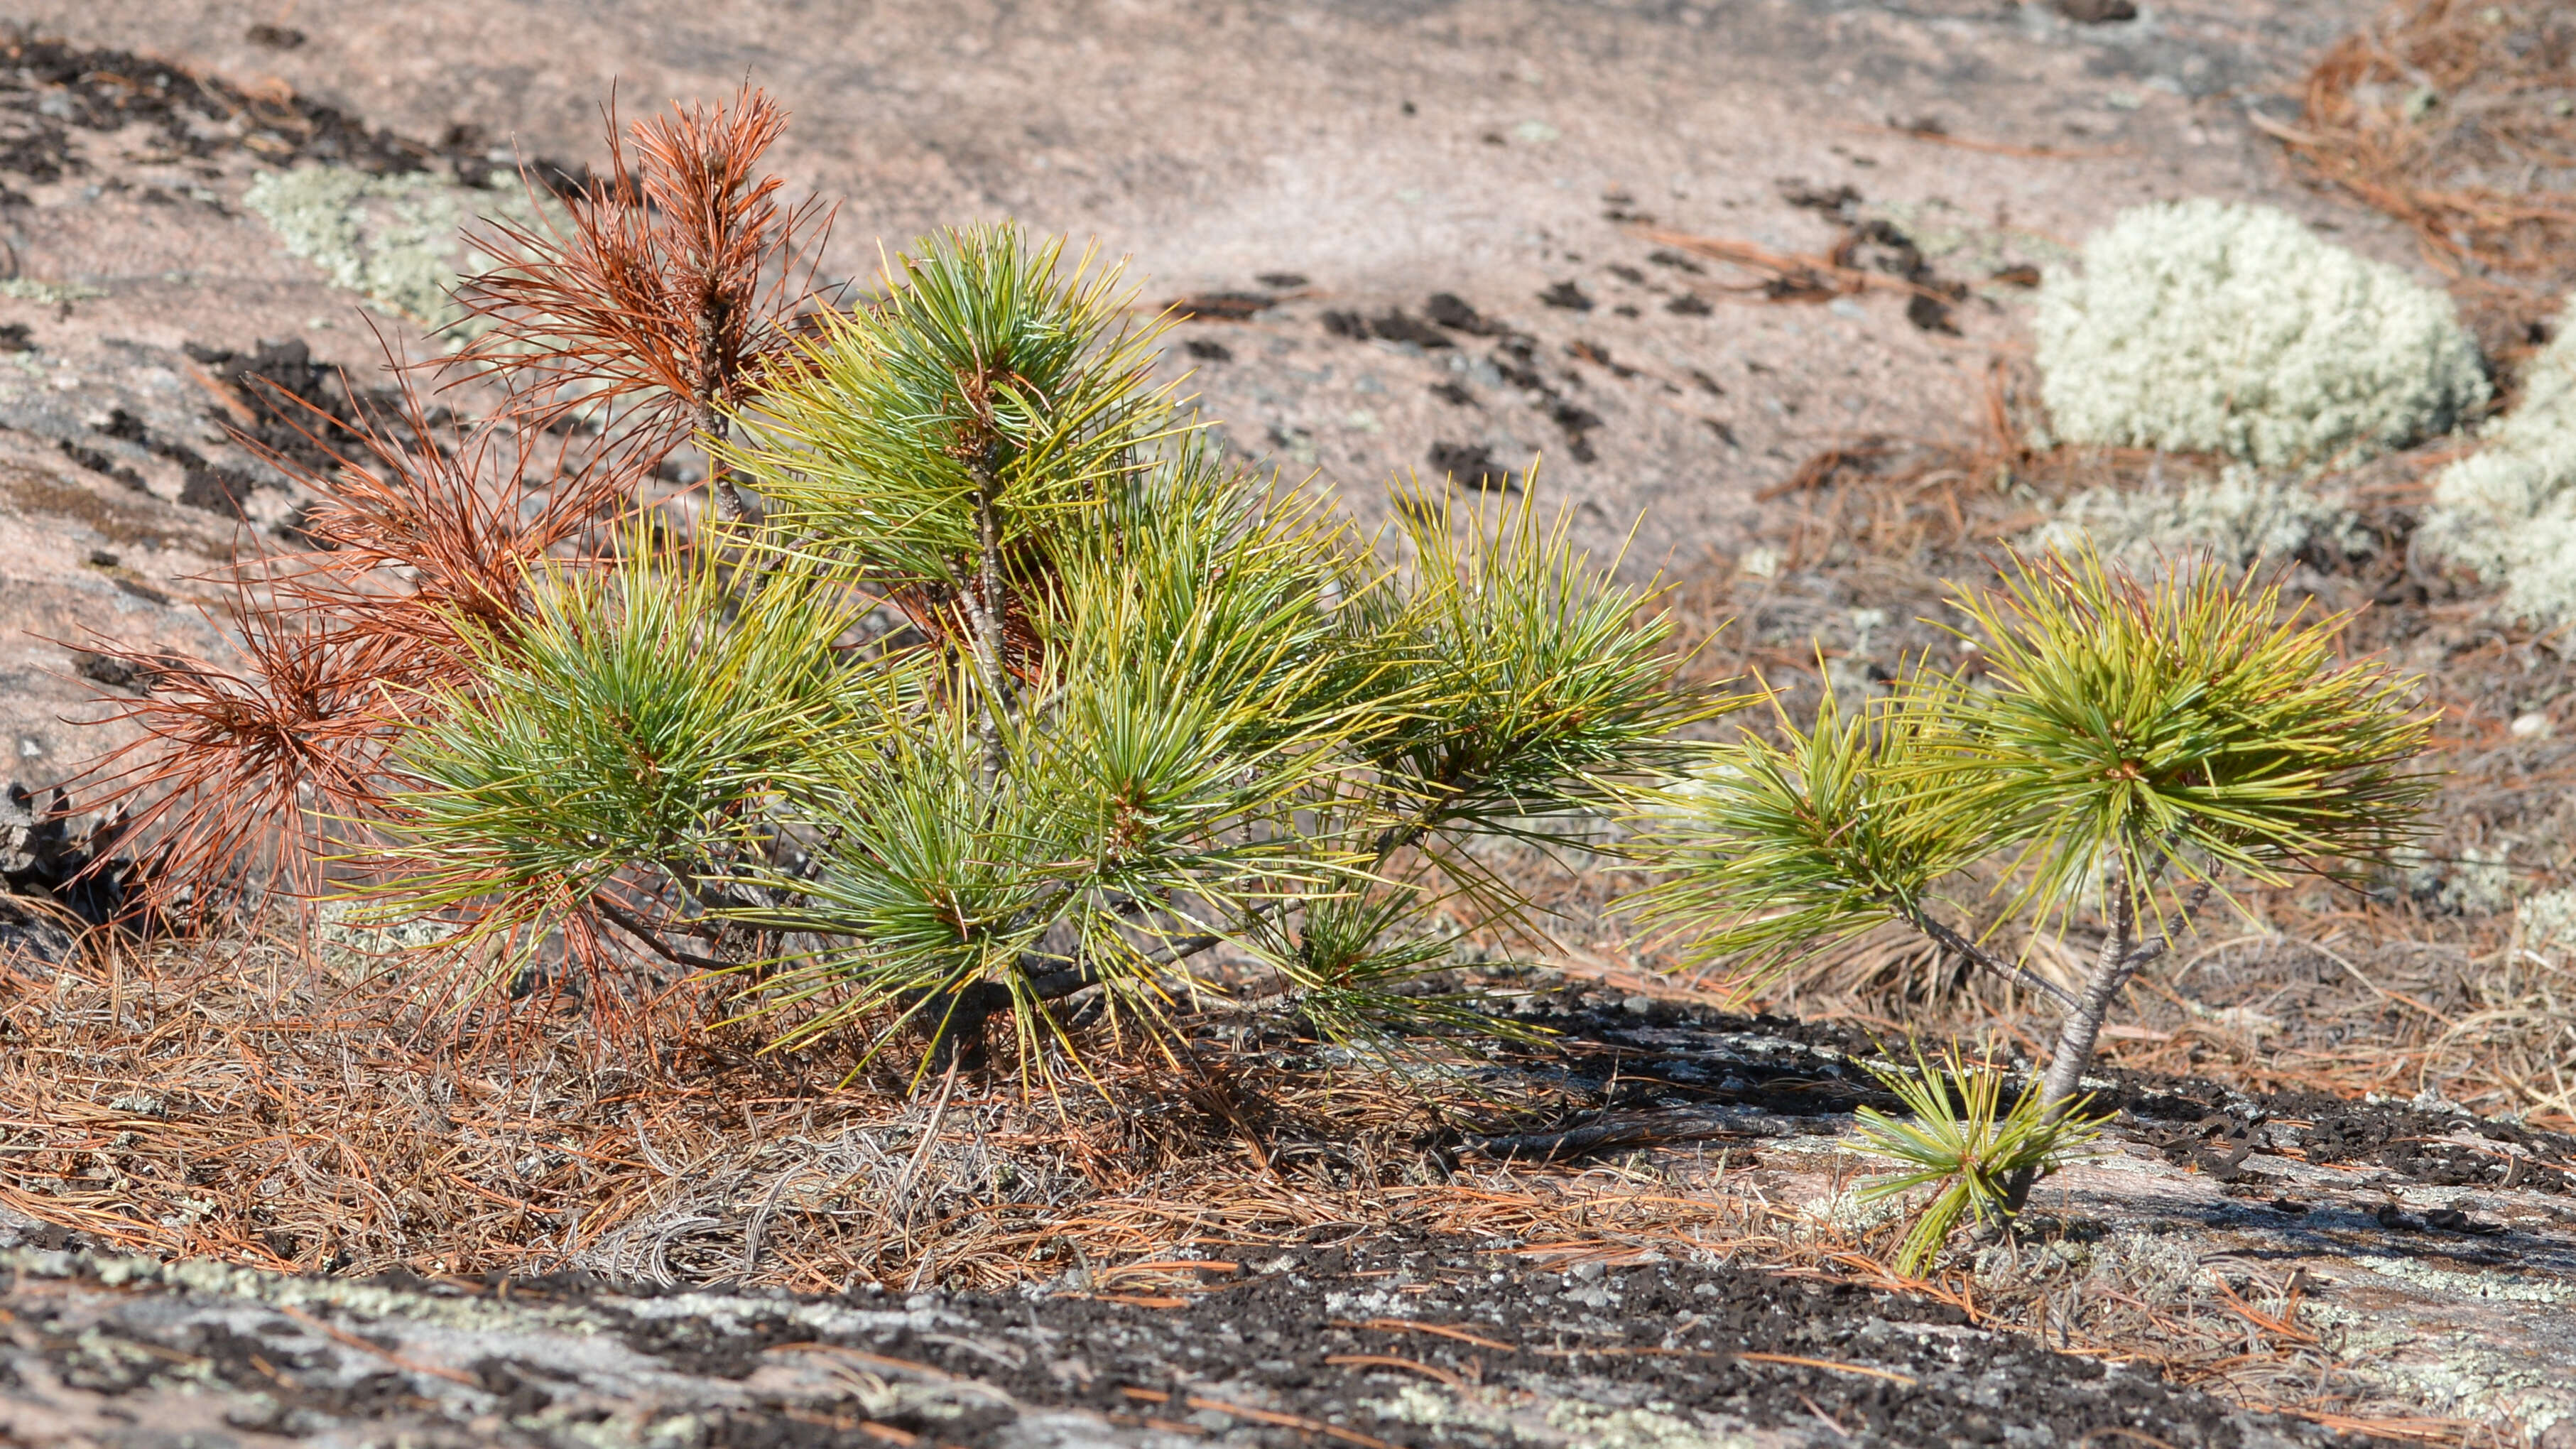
{"points": [[2126, 750], [1135, 703], [1147, 704]]}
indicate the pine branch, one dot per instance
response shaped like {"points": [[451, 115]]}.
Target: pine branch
{"points": [[1056, 985], [652, 939], [1970, 951]]}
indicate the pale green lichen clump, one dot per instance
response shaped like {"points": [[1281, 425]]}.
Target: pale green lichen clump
{"points": [[346, 936], [28, 289], [2202, 326], [2509, 512], [2237, 519], [395, 240], [2547, 923]]}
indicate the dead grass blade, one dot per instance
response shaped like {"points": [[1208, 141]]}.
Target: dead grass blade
{"points": [[2435, 114]]}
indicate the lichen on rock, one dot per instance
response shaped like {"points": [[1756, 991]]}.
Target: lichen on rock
{"points": [[2203, 326], [2237, 519], [2509, 511], [2546, 922], [2476, 882], [395, 240], [348, 936], [29, 289]]}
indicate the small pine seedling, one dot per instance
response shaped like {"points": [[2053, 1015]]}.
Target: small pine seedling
{"points": [[1969, 1148], [2126, 749]]}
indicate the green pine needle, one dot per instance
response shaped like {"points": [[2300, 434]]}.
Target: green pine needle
{"points": [[1958, 1140], [2173, 733], [2185, 720]]}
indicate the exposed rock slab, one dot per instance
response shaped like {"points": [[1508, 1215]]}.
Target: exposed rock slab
{"points": [[1315, 1347]]}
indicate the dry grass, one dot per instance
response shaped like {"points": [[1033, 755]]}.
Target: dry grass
{"points": [[2458, 117], [248, 1102]]}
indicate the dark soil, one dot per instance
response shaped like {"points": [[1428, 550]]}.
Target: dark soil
{"points": [[301, 411], [1514, 361], [44, 856], [1567, 295], [1473, 465], [1657, 1070], [1664, 1332], [300, 416]]}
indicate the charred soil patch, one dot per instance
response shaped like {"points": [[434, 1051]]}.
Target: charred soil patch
{"points": [[1636, 1073], [1333, 1333]]}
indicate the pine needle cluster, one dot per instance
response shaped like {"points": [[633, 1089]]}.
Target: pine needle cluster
{"points": [[637, 310], [1960, 1140], [989, 688]]}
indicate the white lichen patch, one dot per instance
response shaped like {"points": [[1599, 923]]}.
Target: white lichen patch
{"points": [[1568, 1422], [367, 1300], [2006, 1264], [398, 241], [2505, 1285], [1845, 1211], [211, 1278], [29, 289], [2461, 1372], [2203, 326], [346, 934], [2509, 511], [1641, 1428], [1369, 1303], [2239, 518], [2155, 1266], [2478, 882], [2547, 922], [1426, 1406]]}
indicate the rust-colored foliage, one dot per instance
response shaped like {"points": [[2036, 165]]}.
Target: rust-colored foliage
{"points": [[943, 615], [669, 289], [661, 306], [238, 769], [419, 533]]}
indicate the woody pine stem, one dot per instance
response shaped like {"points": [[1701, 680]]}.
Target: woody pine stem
{"points": [[990, 608], [714, 384], [2118, 960], [712, 429], [2112, 968], [958, 1013]]}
